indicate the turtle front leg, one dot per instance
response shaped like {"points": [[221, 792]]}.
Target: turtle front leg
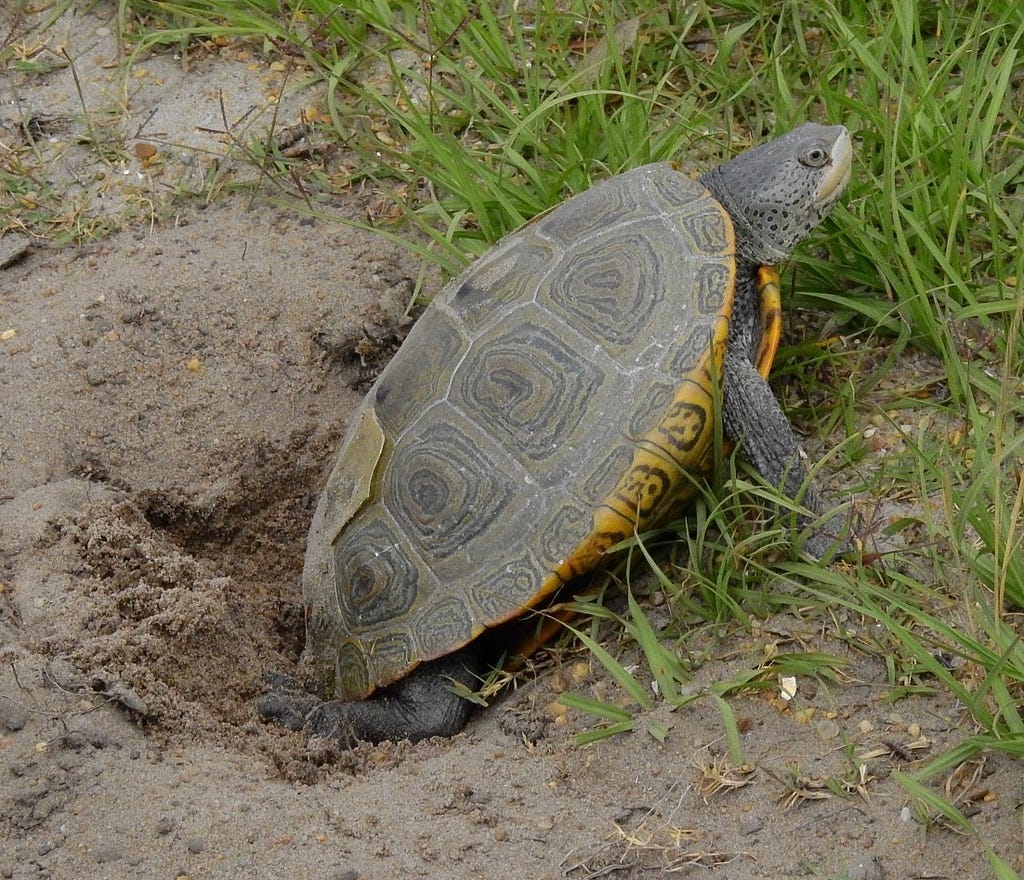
{"points": [[419, 706], [753, 419]]}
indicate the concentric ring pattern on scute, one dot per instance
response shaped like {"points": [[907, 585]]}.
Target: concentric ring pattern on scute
{"points": [[377, 581], [445, 487], [611, 290], [547, 395], [527, 387]]}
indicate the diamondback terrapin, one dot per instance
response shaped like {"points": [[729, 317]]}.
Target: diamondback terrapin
{"points": [[548, 402]]}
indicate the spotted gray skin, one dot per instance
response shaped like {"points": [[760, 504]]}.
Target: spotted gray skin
{"points": [[512, 416]]}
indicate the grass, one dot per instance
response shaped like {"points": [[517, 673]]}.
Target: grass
{"points": [[475, 120]]}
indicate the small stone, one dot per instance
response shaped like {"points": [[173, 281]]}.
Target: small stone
{"points": [[43, 807], [12, 248], [13, 715], [868, 868], [105, 853], [751, 825], [83, 731], [827, 729]]}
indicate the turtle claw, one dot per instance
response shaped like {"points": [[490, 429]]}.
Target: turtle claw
{"points": [[832, 539], [332, 721], [824, 548], [288, 704], [285, 703]]}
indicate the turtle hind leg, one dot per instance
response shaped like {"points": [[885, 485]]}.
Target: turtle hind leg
{"points": [[418, 706]]}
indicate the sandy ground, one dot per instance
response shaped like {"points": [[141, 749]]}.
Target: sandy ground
{"points": [[171, 398]]}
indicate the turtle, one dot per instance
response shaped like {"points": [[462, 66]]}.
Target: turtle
{"points": [[554, 398]]}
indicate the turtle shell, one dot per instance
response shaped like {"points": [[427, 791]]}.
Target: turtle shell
{"points": [[547, 403]]}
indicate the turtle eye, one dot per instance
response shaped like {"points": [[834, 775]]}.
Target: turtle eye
{"points": [[815, 157]]}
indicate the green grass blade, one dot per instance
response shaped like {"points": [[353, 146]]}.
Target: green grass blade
{"points": [[732, 729], [597, 708], [622, 677]]}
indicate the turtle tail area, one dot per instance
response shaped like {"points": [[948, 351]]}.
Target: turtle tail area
{"points": [[421, 705]]}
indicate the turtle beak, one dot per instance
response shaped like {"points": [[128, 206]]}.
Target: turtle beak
{"points": [[838, 173]]}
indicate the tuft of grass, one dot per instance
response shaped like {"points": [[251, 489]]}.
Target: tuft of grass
{"points": [[670, 676], [929, 804]]}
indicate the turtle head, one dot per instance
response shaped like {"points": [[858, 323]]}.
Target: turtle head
{"points": [[776, 193]]}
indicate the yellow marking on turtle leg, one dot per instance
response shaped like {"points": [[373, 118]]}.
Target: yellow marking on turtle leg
{"points": [[769, 286]]}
